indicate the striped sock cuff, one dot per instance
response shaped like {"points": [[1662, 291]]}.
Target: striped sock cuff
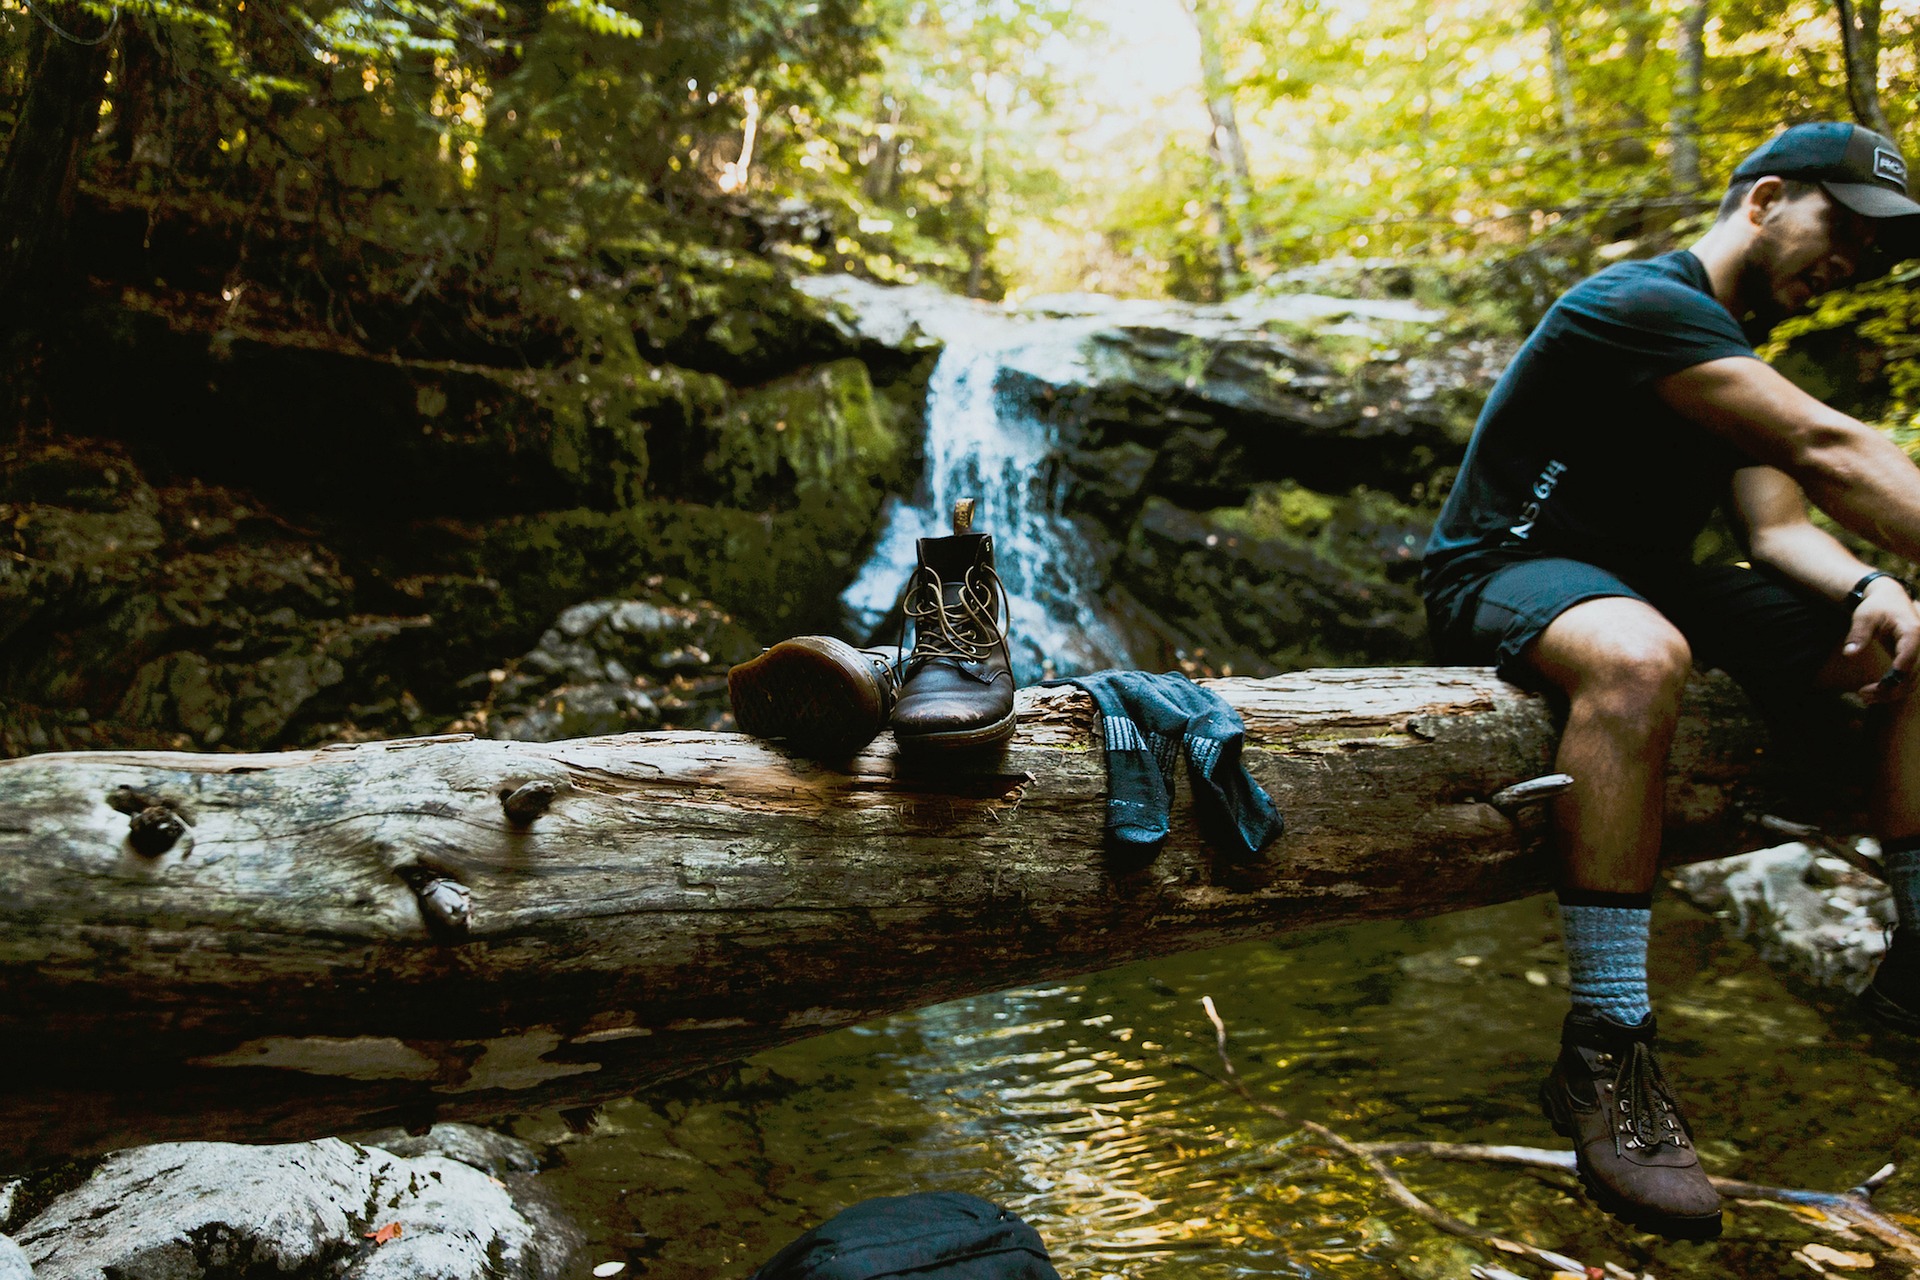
{"points": [[1607, 956]]}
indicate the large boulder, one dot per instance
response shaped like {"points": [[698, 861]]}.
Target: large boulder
{"points": [[333, 1209], [1806, 911]]}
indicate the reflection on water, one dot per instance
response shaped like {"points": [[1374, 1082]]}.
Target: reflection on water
{"points": [[1090, 1108]]}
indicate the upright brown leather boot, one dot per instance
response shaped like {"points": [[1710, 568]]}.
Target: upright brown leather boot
{"points": [[1633, 1148], [956, 688], [826, 698]]}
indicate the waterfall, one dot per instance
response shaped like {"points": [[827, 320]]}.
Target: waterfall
{"points": [[985, 442]]}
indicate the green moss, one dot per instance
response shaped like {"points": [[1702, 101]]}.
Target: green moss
{"points": [[797, 471], [806, 437], [1280, 511]]}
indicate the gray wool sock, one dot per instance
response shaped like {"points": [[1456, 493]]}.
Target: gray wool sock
{"points": [[1902, 861], [1607, 954]]}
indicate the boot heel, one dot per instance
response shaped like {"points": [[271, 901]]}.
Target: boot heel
{"points": [[1553, 1107]]}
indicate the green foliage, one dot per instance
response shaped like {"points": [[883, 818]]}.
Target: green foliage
{"points": [[1875, 370]]}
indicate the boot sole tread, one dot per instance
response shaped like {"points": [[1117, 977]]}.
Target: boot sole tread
{"points": [[817, 702]]}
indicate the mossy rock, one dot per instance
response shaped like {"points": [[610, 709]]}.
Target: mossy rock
{"points": [[821, 434], [1243, 592]]}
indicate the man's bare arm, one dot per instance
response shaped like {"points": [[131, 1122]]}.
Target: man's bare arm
{"points": [[1780, 535], [1852, 472]]}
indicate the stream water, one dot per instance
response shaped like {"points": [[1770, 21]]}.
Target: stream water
{"points": [[1092, 1107]]}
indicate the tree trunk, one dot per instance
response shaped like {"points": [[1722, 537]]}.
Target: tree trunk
{"points": [[1684, 127], [880, 178], [1228, 150], [648, 905], [1860, 44], [58, 116], [1232, 280], [1630, 141], [1562, 82]]}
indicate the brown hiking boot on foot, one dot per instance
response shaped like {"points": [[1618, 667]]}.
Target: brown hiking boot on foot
{"points": [[956, 688], [1633, 1148], [825, 697]]}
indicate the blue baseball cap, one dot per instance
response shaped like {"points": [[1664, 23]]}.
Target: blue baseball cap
{"points": [[1859, 168]]}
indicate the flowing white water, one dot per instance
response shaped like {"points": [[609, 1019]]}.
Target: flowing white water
{"points": [[984, 442]]}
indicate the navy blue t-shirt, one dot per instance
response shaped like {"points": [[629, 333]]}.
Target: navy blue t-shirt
{"points": [[1574, 454]]}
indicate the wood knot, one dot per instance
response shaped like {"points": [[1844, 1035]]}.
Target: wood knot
{"points": [[154, 830], [447, 905], [528, 801]]}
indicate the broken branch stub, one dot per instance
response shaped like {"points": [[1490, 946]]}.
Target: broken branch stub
{"points": [[528, 801], [155, 830]]}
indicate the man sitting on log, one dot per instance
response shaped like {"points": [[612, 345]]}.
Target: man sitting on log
{"points": [[1564, 557]]}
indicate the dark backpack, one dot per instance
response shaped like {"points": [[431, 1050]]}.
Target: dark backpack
{"points": [[934, 1235]]}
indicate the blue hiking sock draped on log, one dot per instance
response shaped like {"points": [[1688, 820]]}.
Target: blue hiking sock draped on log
{"points": [[1901, 858], [1149, 720], [1606, 939]]}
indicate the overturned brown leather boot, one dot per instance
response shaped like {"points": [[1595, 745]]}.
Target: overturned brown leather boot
{"points": [[1633, 1148], [956, 687], [825, 697]]}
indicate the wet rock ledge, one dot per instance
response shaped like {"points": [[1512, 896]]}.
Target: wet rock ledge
{"points": [[458, 1203]]}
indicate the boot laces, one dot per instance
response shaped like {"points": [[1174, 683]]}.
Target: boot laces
{"points": [[969, 627], [1648, 1113]]}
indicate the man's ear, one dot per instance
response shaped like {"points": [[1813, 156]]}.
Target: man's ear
{"points": [[1762, 196]]}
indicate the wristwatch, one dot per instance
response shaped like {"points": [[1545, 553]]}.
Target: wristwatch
{"points": [[1859, 592]]}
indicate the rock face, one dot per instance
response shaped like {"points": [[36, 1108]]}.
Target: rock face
{"points": [[621, 666], [1254, 480], [253, 539], [185, 617], [458, 1207]]}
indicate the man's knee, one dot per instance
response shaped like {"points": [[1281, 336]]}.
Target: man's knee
{"points": [[1643, 677], [1618, 657]]}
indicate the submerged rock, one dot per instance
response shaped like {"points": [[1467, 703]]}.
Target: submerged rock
{"points": [[334, 1209]]}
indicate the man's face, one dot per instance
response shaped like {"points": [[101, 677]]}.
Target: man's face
{"points": [[1807, 245]]}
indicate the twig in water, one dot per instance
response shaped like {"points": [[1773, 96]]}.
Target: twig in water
{"points": [[1399, 1190], [1851, 1208]]}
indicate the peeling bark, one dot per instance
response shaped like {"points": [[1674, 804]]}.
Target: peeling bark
{"points": [[617, 911]]}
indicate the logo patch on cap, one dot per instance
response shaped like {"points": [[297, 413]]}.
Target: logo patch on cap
{"points": [[1888, 164]]}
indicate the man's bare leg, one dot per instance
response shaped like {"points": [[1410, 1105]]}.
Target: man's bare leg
{"points": [[1894, 995], [1623, 667]]}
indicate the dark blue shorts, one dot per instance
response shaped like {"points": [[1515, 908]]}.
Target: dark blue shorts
{"points": [[1770, 634]]}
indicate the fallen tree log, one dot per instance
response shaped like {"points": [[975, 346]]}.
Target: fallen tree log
{"points": [[284, 946]]}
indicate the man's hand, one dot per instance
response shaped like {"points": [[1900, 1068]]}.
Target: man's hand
{"points": [[1888, 615]]}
